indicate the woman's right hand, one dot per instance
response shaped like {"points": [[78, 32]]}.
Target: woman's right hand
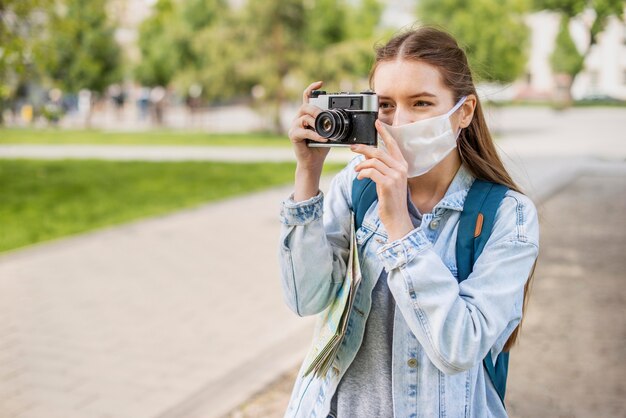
{"points": [[310, 160]]}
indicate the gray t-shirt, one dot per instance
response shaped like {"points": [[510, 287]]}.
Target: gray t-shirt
{"points": [[365, 389]]}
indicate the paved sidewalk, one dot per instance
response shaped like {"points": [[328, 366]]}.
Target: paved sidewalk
{"points": [[182, 315], [160, 153], [151, 319]]}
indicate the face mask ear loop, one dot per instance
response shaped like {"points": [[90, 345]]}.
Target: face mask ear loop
{"points": [[457, 106], [454, 109]]}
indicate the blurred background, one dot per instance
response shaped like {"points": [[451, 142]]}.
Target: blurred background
{"points": [[143, 158]]}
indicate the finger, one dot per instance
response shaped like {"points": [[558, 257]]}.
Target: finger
{"points": [[389, 140], [373, 152], [298, 134], [308, 121], [308, 109], [308, 90], [373, 174], [376, 164]]}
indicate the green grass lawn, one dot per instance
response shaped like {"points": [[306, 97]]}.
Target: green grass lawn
{"points": [[43, 200], [157, 137]]}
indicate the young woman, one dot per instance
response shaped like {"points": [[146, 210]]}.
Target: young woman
{"points": [[416, 336]]}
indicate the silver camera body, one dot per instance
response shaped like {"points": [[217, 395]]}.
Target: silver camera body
{"points": [[346, 118]]}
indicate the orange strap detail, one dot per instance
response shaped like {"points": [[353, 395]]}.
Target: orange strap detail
{"points": [[479, 225]]}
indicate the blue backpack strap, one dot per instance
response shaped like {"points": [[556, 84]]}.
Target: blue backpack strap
{"points": [[475, 225], [363, 196]]}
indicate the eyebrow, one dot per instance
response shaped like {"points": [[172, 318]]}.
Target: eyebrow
{"points": [[421, 94]]}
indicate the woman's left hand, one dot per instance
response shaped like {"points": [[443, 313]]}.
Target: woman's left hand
{"points": [[388, 169]]}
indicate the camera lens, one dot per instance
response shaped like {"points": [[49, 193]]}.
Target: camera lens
{"points": [[333, 124], [327, 125]]}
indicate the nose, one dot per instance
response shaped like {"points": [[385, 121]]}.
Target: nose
{"points": [[400, 117]]}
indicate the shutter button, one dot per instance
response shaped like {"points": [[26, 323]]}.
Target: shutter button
{"points": [[434, 224], [412, 363]]}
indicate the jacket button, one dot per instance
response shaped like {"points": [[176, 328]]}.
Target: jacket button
{"points": [[412, 363], [434, 224]]}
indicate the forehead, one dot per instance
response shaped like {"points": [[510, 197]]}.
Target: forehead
{"points": [[406, 77]]}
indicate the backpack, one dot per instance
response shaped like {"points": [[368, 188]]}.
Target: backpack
{"points": [[475, 225]]}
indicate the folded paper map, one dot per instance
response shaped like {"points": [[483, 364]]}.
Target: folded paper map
{"points": [[334, 319]]}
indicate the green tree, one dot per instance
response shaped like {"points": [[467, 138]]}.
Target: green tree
{"points": [[20, 23], [215, 50], [159, 44], [343, 62], [566, 62], [363, 19], [187, 43], [566, 59], [271, 47], [274, 42], [302, 41], [325, 23], [79, 51], [492, 32], [602, 10]]}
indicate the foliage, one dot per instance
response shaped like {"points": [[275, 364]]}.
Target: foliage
{"points": [[273, 45], [603, 9], [79, 50], [159, 44], [174, 45], [220, 59], [492, 33], [308, 42], [20, 22], [566, 58], [363, 19], [325, 24], [43, 200], [344, 60]]}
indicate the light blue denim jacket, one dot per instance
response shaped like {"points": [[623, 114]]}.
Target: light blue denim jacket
{"points": [[442, 329]]}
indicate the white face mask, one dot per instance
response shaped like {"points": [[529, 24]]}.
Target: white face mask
{"points": [[426, 142]]}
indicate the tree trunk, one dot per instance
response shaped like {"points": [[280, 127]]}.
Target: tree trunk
{"points": [[563, 93]]}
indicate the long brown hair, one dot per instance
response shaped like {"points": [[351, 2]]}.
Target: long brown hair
{"points": [[476, 148]]}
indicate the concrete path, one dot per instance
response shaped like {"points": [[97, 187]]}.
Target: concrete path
{"points": [[160, 153], [182, 315], [524, 131]]}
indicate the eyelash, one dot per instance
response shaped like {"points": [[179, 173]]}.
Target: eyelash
{"points": [[419, 103]]}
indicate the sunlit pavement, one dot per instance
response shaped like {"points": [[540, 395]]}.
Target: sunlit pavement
{"points": [[182, 315]]}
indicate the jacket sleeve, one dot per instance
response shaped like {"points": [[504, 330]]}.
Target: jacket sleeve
{"points": [[458, 324], [314, 246]]}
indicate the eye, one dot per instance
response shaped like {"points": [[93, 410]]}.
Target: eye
{"points": [[422, 103], [385, 106]]}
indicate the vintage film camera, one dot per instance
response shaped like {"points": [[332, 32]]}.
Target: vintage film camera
{"points": [[346, 119]]}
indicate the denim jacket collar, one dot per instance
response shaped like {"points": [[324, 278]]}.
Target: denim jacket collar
{"points": [[454, 198]]}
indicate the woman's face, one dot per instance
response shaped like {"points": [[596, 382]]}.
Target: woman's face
{"points": [[409, 91]]}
